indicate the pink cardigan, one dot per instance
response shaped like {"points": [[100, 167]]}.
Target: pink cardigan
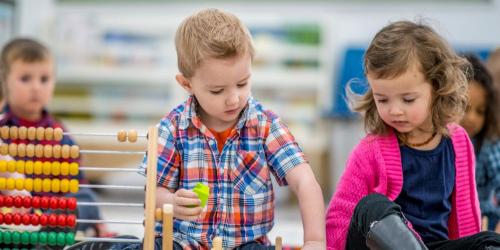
{"points": [[375, 166]]}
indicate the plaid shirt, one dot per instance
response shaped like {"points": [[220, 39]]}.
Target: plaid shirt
{"points": [[240, 208], [488, 176]]}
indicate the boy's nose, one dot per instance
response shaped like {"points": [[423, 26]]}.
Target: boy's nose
{"points": [[232, 100], [394, 110]]}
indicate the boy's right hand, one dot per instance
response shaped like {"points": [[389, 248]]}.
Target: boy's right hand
{"points": [[186, 205]]}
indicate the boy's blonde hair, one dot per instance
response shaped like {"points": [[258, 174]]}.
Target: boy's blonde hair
{"points": [[402, 45], [210, 33], [24, 49]]}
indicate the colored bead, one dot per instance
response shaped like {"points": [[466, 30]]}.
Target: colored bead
{"points": [[7, 237], [28, 167], [55, 186], [11, 166], [26, 201], [40, 133], [8, 201], [37, 167], [35, 202], [3, 183], [73, 169], [34, 238], [64, 168], [61, 239], [16, 237], [13, 132], [72, 203], [61, 220], [20, 166], [49, 133], [132, 135], [44, 202], [30, 150], [7, 218], [23, 132], [56, 168], [28, 184], [43, 219], [38, 150], [46, 185], [70, 238], [73, 186], [74, 151], [53, 203], [58, 134], [56, 151], [52, 239], [18, 201], [31, 133], [1, 218], [37, 185], [17, 219], [21, 150], [1, 200], [19, 184], [71, 220], [13, 150], [64, 185], [4, 149], [10, 184], [47, 168], [35, 219], [26, 219], [5, 132], [3, 165], [47, 151], [25, 238], [42, 238], [53, 220], [63, 204], [65, 151]]}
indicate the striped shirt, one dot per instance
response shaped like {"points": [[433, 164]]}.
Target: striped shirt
{"points": [[240, 207]]}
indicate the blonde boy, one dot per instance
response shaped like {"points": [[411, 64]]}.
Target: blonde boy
{"points": [[225, 139]]}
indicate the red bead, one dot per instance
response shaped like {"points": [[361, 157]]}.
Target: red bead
{"points": [[53, 202], [7, 218], [35, 219], [27, 202], [44, 202], [1, 218], [16, 218], [26, 219], [63, 204], [71, 203], [43, 219], [18, 201], [8, 201], [1, 200], [35, 202], [71, 220], [53, 220], [61, 220]]}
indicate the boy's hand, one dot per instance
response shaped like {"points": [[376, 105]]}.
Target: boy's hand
{"points": [[320, 245], [186, 205]]}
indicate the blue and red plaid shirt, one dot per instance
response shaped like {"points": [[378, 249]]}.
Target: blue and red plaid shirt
{"points": [[240, 207]]}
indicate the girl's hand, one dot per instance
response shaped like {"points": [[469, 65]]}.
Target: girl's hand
{"points": [[316, 245], [186, 205]]}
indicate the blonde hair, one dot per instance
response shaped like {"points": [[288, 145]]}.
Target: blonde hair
{"points": [[24, 49], [402, 45], [210, 33]]}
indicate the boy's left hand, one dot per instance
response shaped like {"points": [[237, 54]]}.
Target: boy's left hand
{"points": [[316, 245]]}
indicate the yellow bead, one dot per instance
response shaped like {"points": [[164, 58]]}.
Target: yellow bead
{"points": [[37, 185], [20, 166], [47, 167], [3, 166], [28, 167], [64, 168], [11, 166], [2, 183], [28, 184], [11, 184], [64, 185], [56, 168], [46, 185], [73, 186], [37, 167], [56, 185], [73, 168], [19, 184]]}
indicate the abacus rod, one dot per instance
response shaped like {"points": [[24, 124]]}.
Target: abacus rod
{"points": [[110, 152], [85, 221], [95, 134], [111, 204], [105, 169], [116, 240], [111, 186]]}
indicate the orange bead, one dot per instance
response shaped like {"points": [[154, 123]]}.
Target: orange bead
{"points": [[40, 133], [23, 132], [56, 151], [39, 150], [58, 134], [49, 133], [122, 136], [21, 149], [13, 132], [132, 136], [4, 132], [30, 150], [47, 151], [75, 151], [13, 149], [73, 186], [31, 133]]}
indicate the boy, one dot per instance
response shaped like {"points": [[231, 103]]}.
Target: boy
{"points": [[226, 140]]}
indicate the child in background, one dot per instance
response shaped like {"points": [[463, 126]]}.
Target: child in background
{"points": [[27, 78], [493, 65], [409, 184], [481, 123], [225, 139]]}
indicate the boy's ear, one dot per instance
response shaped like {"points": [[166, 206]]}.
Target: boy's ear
{"points": [[184, 82]]}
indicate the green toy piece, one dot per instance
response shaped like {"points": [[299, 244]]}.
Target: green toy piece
{"points": [[203, 191]]}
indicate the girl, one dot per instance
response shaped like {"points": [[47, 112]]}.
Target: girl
{"points": [[410, 184], [481, 123]]}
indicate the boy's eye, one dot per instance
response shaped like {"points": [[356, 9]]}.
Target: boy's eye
{"points": [[241, 85], [216, 92], [44, 79], [25, 78]]}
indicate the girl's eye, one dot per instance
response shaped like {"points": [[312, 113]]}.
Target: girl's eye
{"points": [[44, 79], [408, 100], [216, 92], [382, 101], [25, 78], [241, 85]]}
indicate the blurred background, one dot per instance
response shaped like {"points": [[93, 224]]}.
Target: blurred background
{"points": [[116, 65]]}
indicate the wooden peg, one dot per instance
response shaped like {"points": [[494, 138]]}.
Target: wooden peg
{"points": [[40, 133], [278, 244], [49, 133], [168, 223], [31, 133], [132, 135], [23, 132], [122, 136], [75, 151], [13, 132], [58, 134], [217, 243]]}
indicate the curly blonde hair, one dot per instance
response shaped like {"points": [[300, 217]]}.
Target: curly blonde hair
{"points": [[210, 33], [401, 45]]}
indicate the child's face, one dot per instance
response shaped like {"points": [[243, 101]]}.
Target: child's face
{"points": [[404, 102], [475, 114], [222, 89], [29, 88]]}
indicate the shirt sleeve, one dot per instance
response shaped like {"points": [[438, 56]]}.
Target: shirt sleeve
{"points": [[282, 151], [168, 157]]}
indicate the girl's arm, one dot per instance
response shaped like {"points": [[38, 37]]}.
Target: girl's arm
{"points": [[312, 208]]}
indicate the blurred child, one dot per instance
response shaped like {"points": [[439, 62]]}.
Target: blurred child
{"points": [[481, 123], [409, 184], [493, 65], [27, 78], [225, 139]]}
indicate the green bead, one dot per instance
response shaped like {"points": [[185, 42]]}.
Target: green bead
{"points": [[1, 236], [61, 239], [70, 238], [25, 238], [16, 237], [7, 237], [42, 238], [34, 238], [52, 240]]}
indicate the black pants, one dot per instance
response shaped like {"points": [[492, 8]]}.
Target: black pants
{"points": [[375, 207]]}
